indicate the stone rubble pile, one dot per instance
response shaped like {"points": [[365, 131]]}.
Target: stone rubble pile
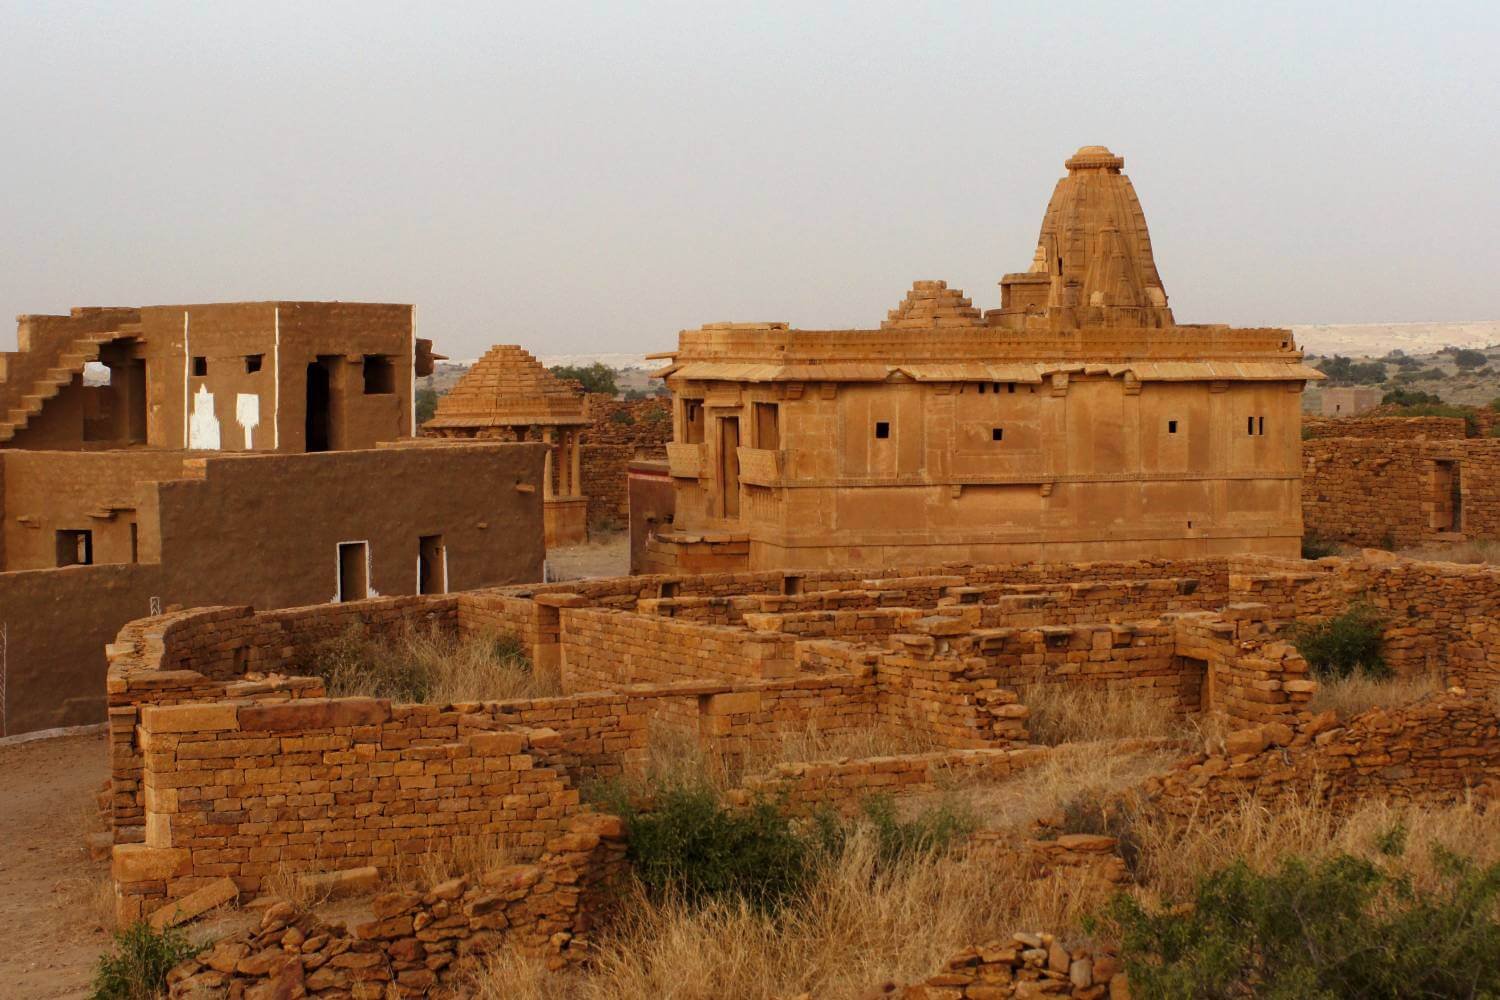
{"points": [[417, 942]]}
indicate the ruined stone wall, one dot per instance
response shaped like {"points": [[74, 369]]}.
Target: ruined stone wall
{"points": [[1394, 492], [1433, 751], [1439, 618], [621, 430], [240, 789], [421, 941], [604, 649], [1384, 428], [844, 785]]}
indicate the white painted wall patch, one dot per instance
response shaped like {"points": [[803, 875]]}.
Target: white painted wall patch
{"points": [[247, 412], [203, 426]]}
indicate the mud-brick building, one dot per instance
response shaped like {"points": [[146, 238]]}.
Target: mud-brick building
{"points": [[1078, 421], [509, 396], [237, 454], [245, 376]]}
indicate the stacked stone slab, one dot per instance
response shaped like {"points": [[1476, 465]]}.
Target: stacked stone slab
{"points": [[932, 304]]}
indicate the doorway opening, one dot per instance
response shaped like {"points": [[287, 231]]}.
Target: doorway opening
{"points": [[729, 466], [354, 571], [1196, 690], [432, 565], [75, 548], [1447, 496], [319, 406]]}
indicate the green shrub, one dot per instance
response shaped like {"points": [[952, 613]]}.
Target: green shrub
{"points": [[691, 845], [1344, 644], [1471, 422], [1468, 358], [622, 417], [597, 377], [1410, 397], [426, 403], [137, 966], [1315, 546], [1338, 928], [932, 831]]}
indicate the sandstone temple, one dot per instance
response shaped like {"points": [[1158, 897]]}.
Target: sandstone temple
{"points": [[1078, 421]]}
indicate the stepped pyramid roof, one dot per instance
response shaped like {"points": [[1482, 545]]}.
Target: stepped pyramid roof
{"points": [[509, 388], [932, 304]]}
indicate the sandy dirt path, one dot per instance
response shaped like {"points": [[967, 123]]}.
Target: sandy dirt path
{"points": [[54, 900]]}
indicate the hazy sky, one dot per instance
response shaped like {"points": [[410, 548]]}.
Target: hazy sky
{"points": [[591, 178]]}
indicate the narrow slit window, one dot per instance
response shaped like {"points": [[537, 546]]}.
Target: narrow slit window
{"points": [[200, 366], [1260, 425], [882, 429], [1250, 425]]}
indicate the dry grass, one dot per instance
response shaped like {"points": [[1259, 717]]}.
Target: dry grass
{"points": [[429, 666], [1349, 696], [675, 758], [1063, 713], [861, 924], [1471, 553], [1173, 858]]}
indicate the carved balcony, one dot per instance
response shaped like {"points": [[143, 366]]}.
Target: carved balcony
{"points": [[761, 466], [685, 461]]}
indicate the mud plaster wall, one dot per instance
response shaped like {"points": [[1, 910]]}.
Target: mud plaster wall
{"points": [[265, 531]]}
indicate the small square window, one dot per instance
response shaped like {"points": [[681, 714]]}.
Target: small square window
{"points": [[997, 433], [75, 548], [380, 375], [1171, 427], [883, 429], [253, 363], [200, 366]]}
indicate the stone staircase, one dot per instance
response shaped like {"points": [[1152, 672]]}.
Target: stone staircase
{"points": [[39, 371]]}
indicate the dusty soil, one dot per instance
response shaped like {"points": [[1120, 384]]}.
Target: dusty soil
{"points": [[608, 555], [54, 901]]}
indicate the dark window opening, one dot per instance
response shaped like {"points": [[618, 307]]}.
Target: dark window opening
{"points": [[354, 574], [1171, 427], [997, 433], [75, 548], [1250, 425], [200, 366], [1010, 387], [995, 388], [135, 543], [253, 363], [791, 585], [432, 565], [981, 388], [318, 424], [882, 429], [1260, 425], [668, 589], [380, 375]]}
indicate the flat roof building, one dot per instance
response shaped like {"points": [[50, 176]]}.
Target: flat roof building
{"points": [[1078, 421]]}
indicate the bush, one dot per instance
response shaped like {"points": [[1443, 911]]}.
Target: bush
{"points": [[136, 968], [692, 846], [597, 377], [1343, 927], [1341, 369], [1468, 358], [427, 400], [1344, 644], [1410, 397], [425, 666], [1471, 422], [1317, 547], [933, 831]]}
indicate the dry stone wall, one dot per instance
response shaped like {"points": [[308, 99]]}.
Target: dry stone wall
{"points": [[424, 943]]}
